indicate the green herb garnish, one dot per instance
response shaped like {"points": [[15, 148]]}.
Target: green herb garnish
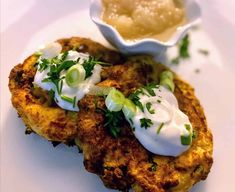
{"points": [[176, 60], [68, 99], [145, 123], [90, 63], [203, 52], [64, 56], [54, 73], [113, 121], [183, 50], [74, 101], [136, 99], [183, 47], [43, 65], [148, 106], [150, 88], [186, 140], [188, 127], [154, 167], [160, 127], [194, 135]]}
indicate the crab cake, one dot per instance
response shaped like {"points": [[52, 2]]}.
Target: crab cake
{"points": [[35, 106]]}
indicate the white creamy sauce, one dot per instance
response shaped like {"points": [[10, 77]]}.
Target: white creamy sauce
{"points": [[166, 124], [168, 118], [52, 50]]}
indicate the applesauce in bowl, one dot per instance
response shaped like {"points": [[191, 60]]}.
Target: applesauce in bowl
{"points": [[144, 26], [139, 19]]}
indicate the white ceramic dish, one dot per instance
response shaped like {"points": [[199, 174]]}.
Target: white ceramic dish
{"points": [[31, 164], [147, 45]]}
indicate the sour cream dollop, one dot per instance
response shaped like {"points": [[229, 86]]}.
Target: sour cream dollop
{"points": [[53, 50], [169, 131]]}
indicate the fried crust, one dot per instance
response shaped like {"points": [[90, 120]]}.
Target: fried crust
{"points": [[39, 115], [122, 163]]}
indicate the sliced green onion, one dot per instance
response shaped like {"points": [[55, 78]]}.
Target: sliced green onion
{"points": [[75, 75], [160, 128], [186, 140], [166, 75], [74, 101], [188, 127], [166, 80], [169, 84], [148, 106], [38, 53], [68, 99], [129, 109], [115, 100]]}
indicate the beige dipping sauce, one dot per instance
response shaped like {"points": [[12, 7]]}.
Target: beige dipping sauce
{"points": [[137, 19]]}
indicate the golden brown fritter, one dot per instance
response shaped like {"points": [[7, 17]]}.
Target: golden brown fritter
{"points": [[35, 107], [122, 162]]}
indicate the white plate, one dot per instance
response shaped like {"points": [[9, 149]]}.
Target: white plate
{"points": [[30, 163]]}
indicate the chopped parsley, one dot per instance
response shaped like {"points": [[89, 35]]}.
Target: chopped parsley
{"points": [[203, 52], [148, 106], [145, 123], [55, 70], [154, 165], [183, 50], [149, 88], [176, 60], [64, 55], [183, 47], [134, 97], [160, 128], [113, 121], [194, 135], [43, 65], [90, 63], [58, 64]]}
